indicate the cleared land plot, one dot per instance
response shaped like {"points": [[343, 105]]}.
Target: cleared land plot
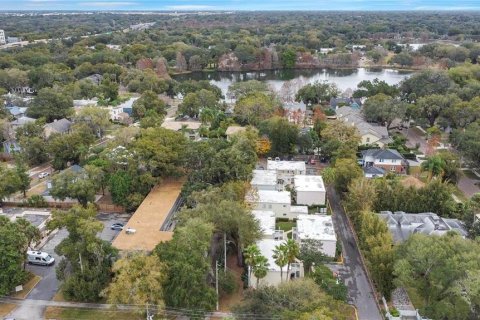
{"points": [[149, 218]]}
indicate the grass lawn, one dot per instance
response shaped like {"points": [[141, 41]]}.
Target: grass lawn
{"points": [[6, 308], [27, 287], [285, 226], [84, 314]]}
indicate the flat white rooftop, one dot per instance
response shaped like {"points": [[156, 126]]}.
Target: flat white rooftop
{"points": [[266, 221], [309, 183], [318, 227], [286, 165], [266, 247], [264, 177], [269, 196]]}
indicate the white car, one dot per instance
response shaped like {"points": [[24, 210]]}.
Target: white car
{"points": [[40, 258], [43, 175]]}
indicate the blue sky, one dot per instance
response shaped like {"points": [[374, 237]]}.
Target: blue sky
{"points": [[178, 5]]}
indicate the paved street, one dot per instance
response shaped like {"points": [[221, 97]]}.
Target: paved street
{"points": [[359, 290], [468, 185]]}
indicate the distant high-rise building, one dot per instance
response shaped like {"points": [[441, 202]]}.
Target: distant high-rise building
{"points": [[2, 37]]}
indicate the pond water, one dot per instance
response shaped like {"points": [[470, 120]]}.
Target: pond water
{"points": [[343, 78]]}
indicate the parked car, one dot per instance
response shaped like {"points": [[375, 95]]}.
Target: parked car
{"points": [[40, 258], [269, 158], [117, 226], [277, 159], [43, 175], [312, 161]]}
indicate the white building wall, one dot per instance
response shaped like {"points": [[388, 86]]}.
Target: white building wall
{"points": [[280, 209], [310, 198], [329, 248], [371, 139], [273, 277]]}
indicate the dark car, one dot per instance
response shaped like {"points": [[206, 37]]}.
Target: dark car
{"points": [[116, 226]]}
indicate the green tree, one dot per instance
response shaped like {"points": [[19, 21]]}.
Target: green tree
{"points": [[109, 89], [23, 176], [31, 233], [339, 140], [346, 170], [261, 268], [75, 185], [251, 254], [311, 254], [241, 89], [148, 101], [292, 251], [280, 256], [367, 88], [467, 141], [68, 148], [334, 287], [138, 280], [317, 93], [438, 268], [10, 182], [425, 83], [12, 254], [188, 267], [290, 300], [282, 134], [432, 106], [254, 107], [86, 268], [289, 58], [51, 104], [383, 109], [195, 101], [96, 118]]}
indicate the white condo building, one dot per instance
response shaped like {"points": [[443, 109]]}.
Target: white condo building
{"points": [[310, 190], [2, 37], [286, 170], [317, 227]]}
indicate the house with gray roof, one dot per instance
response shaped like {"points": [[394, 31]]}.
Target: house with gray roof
{"points": [[388, 160], [370, 133], [355, 103], [402, 224], [58, 126], [10, 145]]}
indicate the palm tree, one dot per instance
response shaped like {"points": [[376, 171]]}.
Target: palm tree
{"points": [[292, 250], [280, 256], [435, 166], [251, 253], [261, 268]]}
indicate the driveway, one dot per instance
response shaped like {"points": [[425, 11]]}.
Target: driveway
{"points": [[351, 272], [468, 185], [415, 136]]}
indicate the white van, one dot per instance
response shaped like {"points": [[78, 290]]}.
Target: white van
{"points": [[40, 258]]}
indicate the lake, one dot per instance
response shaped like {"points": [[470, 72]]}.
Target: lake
{"points": [[343, 78]]}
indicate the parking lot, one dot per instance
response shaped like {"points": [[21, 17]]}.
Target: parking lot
{"points": [[108, 219]]}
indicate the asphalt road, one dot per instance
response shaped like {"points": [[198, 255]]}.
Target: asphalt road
{"points": [[352, 273]]}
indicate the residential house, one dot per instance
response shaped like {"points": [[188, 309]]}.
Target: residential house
{"points": [[17, 112], [370, 134], [267, 220], [389, 160], [61, 126], [265, 180], [233, 130], [286, 170], [354, 103], [310, 190], [317, 227], [402, 224], [10, 145], [189, 128], [373, 172]]}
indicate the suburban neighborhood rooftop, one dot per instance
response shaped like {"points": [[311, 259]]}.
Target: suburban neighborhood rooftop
{"points": [[266, 221], [269, 196], [285, 165], [309, 183], [318, 227], [264, 177]]}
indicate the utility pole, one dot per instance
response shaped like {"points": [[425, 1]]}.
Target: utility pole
{"points": [[225, 252], [216, 279]]}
